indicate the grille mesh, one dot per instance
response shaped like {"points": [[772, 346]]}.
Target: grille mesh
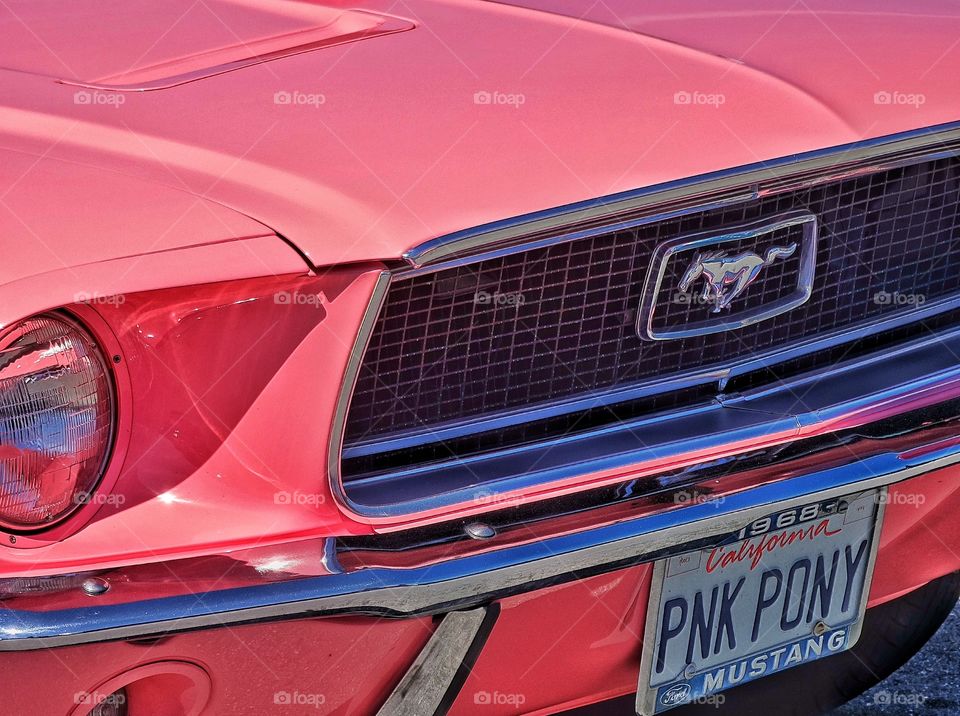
{"points": [[559, 321]]}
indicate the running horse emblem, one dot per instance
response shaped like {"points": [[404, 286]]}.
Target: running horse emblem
{"points": [[727, 277]]}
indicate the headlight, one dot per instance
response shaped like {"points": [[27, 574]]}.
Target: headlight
{"points": [[56, 420]]}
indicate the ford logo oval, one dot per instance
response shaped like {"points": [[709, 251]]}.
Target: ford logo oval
{"points": [[675, 695]]}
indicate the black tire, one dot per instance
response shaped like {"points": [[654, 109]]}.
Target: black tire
{"points": [[892, 633]]}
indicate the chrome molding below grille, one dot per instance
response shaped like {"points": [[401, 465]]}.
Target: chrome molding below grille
{"points": [[846, 396], [608, 214]]}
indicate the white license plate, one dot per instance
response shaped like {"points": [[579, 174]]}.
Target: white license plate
{"points": [[785, 590]]}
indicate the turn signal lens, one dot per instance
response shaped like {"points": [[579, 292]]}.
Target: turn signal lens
{"points": [[56, 420]]}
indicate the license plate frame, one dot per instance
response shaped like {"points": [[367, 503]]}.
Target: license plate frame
{"points": [[688, 686]]}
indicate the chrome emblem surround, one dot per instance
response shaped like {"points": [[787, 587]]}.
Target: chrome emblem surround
{"points": [[727, 276]]}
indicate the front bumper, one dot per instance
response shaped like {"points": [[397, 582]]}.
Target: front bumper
{"points": [[441, 576], [567, 641]]}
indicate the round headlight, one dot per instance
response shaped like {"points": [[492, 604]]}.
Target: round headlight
{"points": [[56, 420]]}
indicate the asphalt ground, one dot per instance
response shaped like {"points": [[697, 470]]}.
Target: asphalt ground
{"points": [[927, 685]]}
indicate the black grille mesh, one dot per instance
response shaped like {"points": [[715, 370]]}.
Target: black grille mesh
{"points": [[559, 321]]}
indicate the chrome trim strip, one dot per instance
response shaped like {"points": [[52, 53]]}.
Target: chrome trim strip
{"points": [[667, 200], [454, 429], [775, 175], [436, 676], [838, 337], [462, 582], [606, 228], [350, 373]]}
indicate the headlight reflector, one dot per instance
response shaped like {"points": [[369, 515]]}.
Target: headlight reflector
{"points": [[56, 419]]}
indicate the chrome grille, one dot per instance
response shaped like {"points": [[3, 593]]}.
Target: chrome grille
{"points": [[559, 322]]}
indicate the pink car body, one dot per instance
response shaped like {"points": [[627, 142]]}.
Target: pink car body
{"points": [[168, 170]]}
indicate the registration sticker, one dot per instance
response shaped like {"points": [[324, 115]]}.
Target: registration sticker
{"points": [[787, 589]]}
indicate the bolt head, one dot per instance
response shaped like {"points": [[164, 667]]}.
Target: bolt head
{"points": [[478, 530], [95, 586]]}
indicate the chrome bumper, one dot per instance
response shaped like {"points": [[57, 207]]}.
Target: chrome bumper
{"points": [[457, 583]]}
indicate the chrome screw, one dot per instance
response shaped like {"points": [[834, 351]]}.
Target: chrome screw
{"points": [[819, 628], [478, 530], [94, 586]]}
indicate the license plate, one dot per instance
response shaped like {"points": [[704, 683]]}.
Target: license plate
{"points": [[785, 590]]}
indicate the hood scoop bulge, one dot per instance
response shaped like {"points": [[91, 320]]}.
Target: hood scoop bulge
{"points": [[144, 45]]}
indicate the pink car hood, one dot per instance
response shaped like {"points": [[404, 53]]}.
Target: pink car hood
{"points": [[359, 133]]}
